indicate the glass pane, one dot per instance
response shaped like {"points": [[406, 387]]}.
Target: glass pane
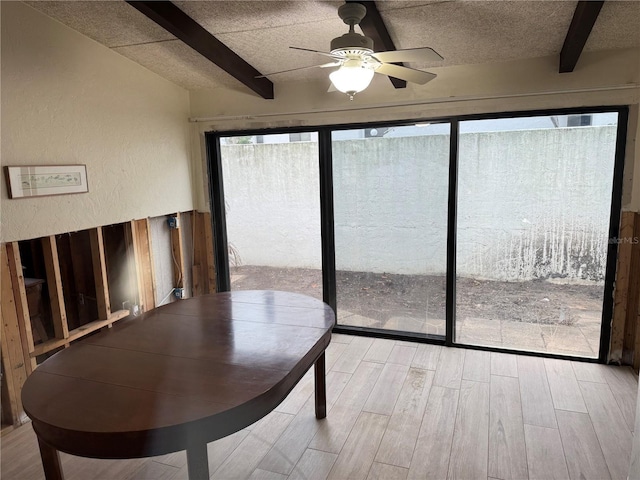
{"points": [[390, 203], [272, 203], [534, 197]]}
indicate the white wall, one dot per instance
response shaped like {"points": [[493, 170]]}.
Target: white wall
{"points": [[531, 203], [600, 78], [69, 100]]}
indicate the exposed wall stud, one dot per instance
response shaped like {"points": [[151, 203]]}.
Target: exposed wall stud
{"points": [[22, 307], [177, 253], [100, 273], [54, 284], [12, 354]]}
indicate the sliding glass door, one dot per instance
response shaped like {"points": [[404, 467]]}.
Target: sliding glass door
{"points": [[490, 232], [534, 200], [390, 201], [272, 207]]}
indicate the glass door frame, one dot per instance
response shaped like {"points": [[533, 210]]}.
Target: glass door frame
{"points": [[325, 165]]}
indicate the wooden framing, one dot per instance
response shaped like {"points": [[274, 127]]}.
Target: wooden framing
{"points": [[22, 307], [13, 359], [100, 273], [197, 274], [203, 269], [178, 23], [625, 332], [18, 349], [177, 251], [79, 332], [132, 260], [144, 263], [584, 17], [106, 317], [373, 26], [54, 284], [211, 264]]}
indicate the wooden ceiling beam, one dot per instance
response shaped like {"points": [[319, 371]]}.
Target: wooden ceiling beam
{"points": [[373, 26], [175, 21], [584, 18]]}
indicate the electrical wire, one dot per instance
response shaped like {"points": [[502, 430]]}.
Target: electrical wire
{"points": [[168, 295]]}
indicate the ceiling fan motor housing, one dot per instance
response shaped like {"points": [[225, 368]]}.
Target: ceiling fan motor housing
{"points": [[352, 41], [351, 14]]}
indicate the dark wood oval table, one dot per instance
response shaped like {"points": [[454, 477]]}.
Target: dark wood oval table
{"points": [[178, 377]]}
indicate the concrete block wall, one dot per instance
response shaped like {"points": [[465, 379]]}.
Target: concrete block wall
{"points": [[531, 203]]}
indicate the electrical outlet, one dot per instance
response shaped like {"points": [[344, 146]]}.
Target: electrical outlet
{"points": [[173, 222], [179, 293]]}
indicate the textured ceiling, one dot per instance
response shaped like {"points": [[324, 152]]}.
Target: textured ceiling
{"points": [[463, 32]]}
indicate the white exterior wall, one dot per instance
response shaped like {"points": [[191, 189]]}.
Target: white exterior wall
{"points": [[69, 100], [532, 203], [272, 203]]}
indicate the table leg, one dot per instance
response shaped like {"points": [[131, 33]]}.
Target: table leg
{"points": [[50, 461], [321, 387], [197, 462]]}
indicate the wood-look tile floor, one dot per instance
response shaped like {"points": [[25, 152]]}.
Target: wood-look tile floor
{"points": [[399, 410]]}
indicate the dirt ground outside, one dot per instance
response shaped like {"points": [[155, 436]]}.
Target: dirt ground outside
{"points": [[534, 315]]}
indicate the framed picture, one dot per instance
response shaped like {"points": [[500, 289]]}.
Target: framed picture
{"points": [[37, 181]]}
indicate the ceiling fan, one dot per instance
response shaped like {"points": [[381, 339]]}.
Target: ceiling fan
{"points": [[353, 54]]}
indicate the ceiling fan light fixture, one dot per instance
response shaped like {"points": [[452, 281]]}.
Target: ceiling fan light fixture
{"points": [[351, 79]]}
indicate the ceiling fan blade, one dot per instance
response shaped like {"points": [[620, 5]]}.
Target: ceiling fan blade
{"points": [[405, 73], [326, 54], [325, 65], [424, 54]]}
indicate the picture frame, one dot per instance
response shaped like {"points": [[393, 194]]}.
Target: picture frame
{"points": [[44, 180]]}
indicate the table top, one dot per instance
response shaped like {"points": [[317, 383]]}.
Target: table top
{"points": [[188, 372]]}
